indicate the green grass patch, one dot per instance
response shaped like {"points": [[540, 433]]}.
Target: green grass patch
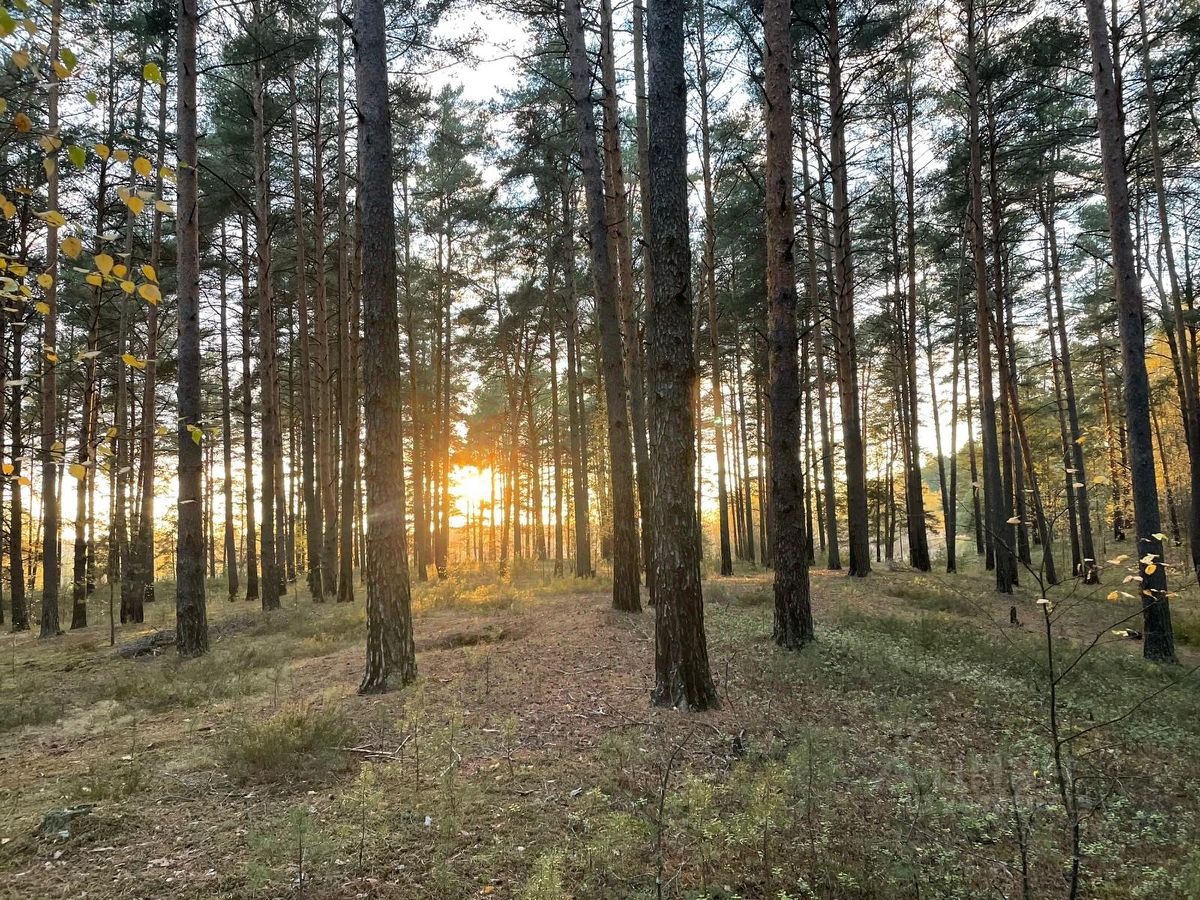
{"points": [[300, 740]]}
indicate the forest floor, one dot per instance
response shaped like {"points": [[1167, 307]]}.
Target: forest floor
{"points": [[904, 754]]}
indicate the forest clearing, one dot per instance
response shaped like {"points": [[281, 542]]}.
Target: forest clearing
{"points": [[891, 759]]}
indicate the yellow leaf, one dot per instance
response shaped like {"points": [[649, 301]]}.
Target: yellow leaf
{"points": [[23, 481], [53, 217], [135, 204], [1159, 536], [121, 156], [1151, 569], [143, 167], [1113, 595], [78, 471], [94, 278], [21, 59], [8, 468], [102, 151], [45, 281], [43, 307], [71, 246], [119, 270], [1082, 439], [149, 293], [51, 356], [164, 207], [127, 286], [131, 360], [149, 273]]}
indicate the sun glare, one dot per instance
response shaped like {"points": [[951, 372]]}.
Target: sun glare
{"points": [[471, 488]]}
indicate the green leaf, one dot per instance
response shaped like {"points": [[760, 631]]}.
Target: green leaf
{"points": [[77, 155]]}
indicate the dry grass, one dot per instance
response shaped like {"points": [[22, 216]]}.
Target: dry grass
{"points": [[527, 762]]}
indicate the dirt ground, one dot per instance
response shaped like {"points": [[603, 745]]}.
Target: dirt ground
{"points": [[527, 761]]}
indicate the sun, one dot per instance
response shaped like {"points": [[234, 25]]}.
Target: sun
{"points": [[471, 487]]}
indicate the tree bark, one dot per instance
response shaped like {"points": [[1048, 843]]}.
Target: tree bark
{"points": [[252, 591], [346, 395], [625, 549], [575, 422], [326, 437], [230, 559], [390, 651], [191, 622], [999, 534], [709, 266], [858, 541], [682, 677], [267, 360], [313, 521], [52, 458], [1158, 643], [793, 627]]}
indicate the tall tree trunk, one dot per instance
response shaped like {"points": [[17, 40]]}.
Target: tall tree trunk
{"points": [[326, 437], [191, 622], [390, 650], [556, 450], [621, 232], [709, 266], [1190, 382], [420, 523], [833, 557], [743, 433], [793, 613], [859, 563], [85, 473], [252, 591], [1090, 570], [16, 512], [268, 377], [347, 399], [951, 501], [1158, 643], [625, 548], [142, 565], [918, 540], [52, 457], [999, 533], [682, 677], [230, 557], [314, 526], [641, 385], [575, 414], [119, 545]]}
